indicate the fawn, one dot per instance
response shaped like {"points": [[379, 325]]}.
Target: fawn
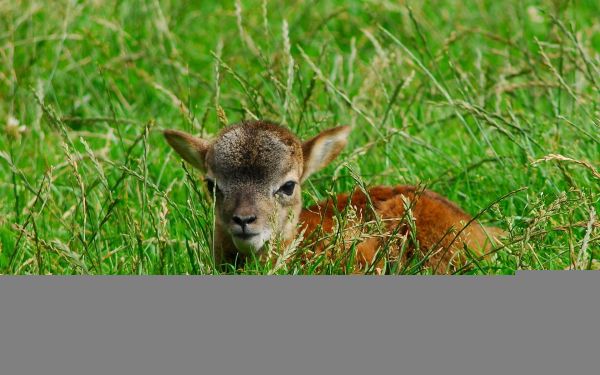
{"points": [[254, 170]]}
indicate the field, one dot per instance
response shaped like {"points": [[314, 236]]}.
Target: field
{"points": [[494, 104]]}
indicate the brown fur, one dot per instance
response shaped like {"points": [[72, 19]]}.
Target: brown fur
{"points": [[250, 163], [438, 223]]}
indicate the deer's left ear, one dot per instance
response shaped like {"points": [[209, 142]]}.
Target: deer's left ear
{"points": [[322, 149], [190, 148]]}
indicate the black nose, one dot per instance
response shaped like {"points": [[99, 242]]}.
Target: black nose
{"points": [[242, 221]]}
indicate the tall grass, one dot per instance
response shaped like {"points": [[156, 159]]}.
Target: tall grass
{"points": [[483, 101]]}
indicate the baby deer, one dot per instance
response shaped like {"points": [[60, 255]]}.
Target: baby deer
{"points": [[254, 170]]}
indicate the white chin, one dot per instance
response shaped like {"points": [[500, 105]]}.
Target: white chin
{"points": [[251, 245]]}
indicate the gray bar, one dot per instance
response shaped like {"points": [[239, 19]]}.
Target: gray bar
{"points": [[534, 323]]}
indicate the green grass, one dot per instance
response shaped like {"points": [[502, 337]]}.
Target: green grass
{"points": [[475, 100]]}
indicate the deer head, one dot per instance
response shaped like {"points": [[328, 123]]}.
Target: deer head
{"points": [[254, 170]]}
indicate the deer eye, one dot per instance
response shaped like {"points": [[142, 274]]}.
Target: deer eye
{"points": [[210, 185], [287, 188]]}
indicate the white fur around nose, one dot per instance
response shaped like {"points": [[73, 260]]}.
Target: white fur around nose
{"points": [[252, 245]]}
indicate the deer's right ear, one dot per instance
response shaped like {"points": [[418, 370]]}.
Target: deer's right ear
{"points": [[191, 149], [322, 149]]}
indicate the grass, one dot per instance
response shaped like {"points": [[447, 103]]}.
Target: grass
{"points": [[477, 100]]}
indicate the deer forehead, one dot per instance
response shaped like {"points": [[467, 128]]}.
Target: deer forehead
{"points": [[254, 154]]}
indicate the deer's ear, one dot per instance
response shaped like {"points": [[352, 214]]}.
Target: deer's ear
{"points": [[322, 149], [190, 148]]}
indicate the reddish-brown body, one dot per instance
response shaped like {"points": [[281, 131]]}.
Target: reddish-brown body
{"points": [[440, 235]]}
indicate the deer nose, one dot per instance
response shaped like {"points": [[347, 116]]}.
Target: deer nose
{"points": [[242, 221]]}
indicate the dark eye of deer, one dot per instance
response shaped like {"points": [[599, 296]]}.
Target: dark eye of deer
{"points": [[210, 185], [287, 188]]}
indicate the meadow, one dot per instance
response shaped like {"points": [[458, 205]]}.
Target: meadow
{"points": [[494, 104]]}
